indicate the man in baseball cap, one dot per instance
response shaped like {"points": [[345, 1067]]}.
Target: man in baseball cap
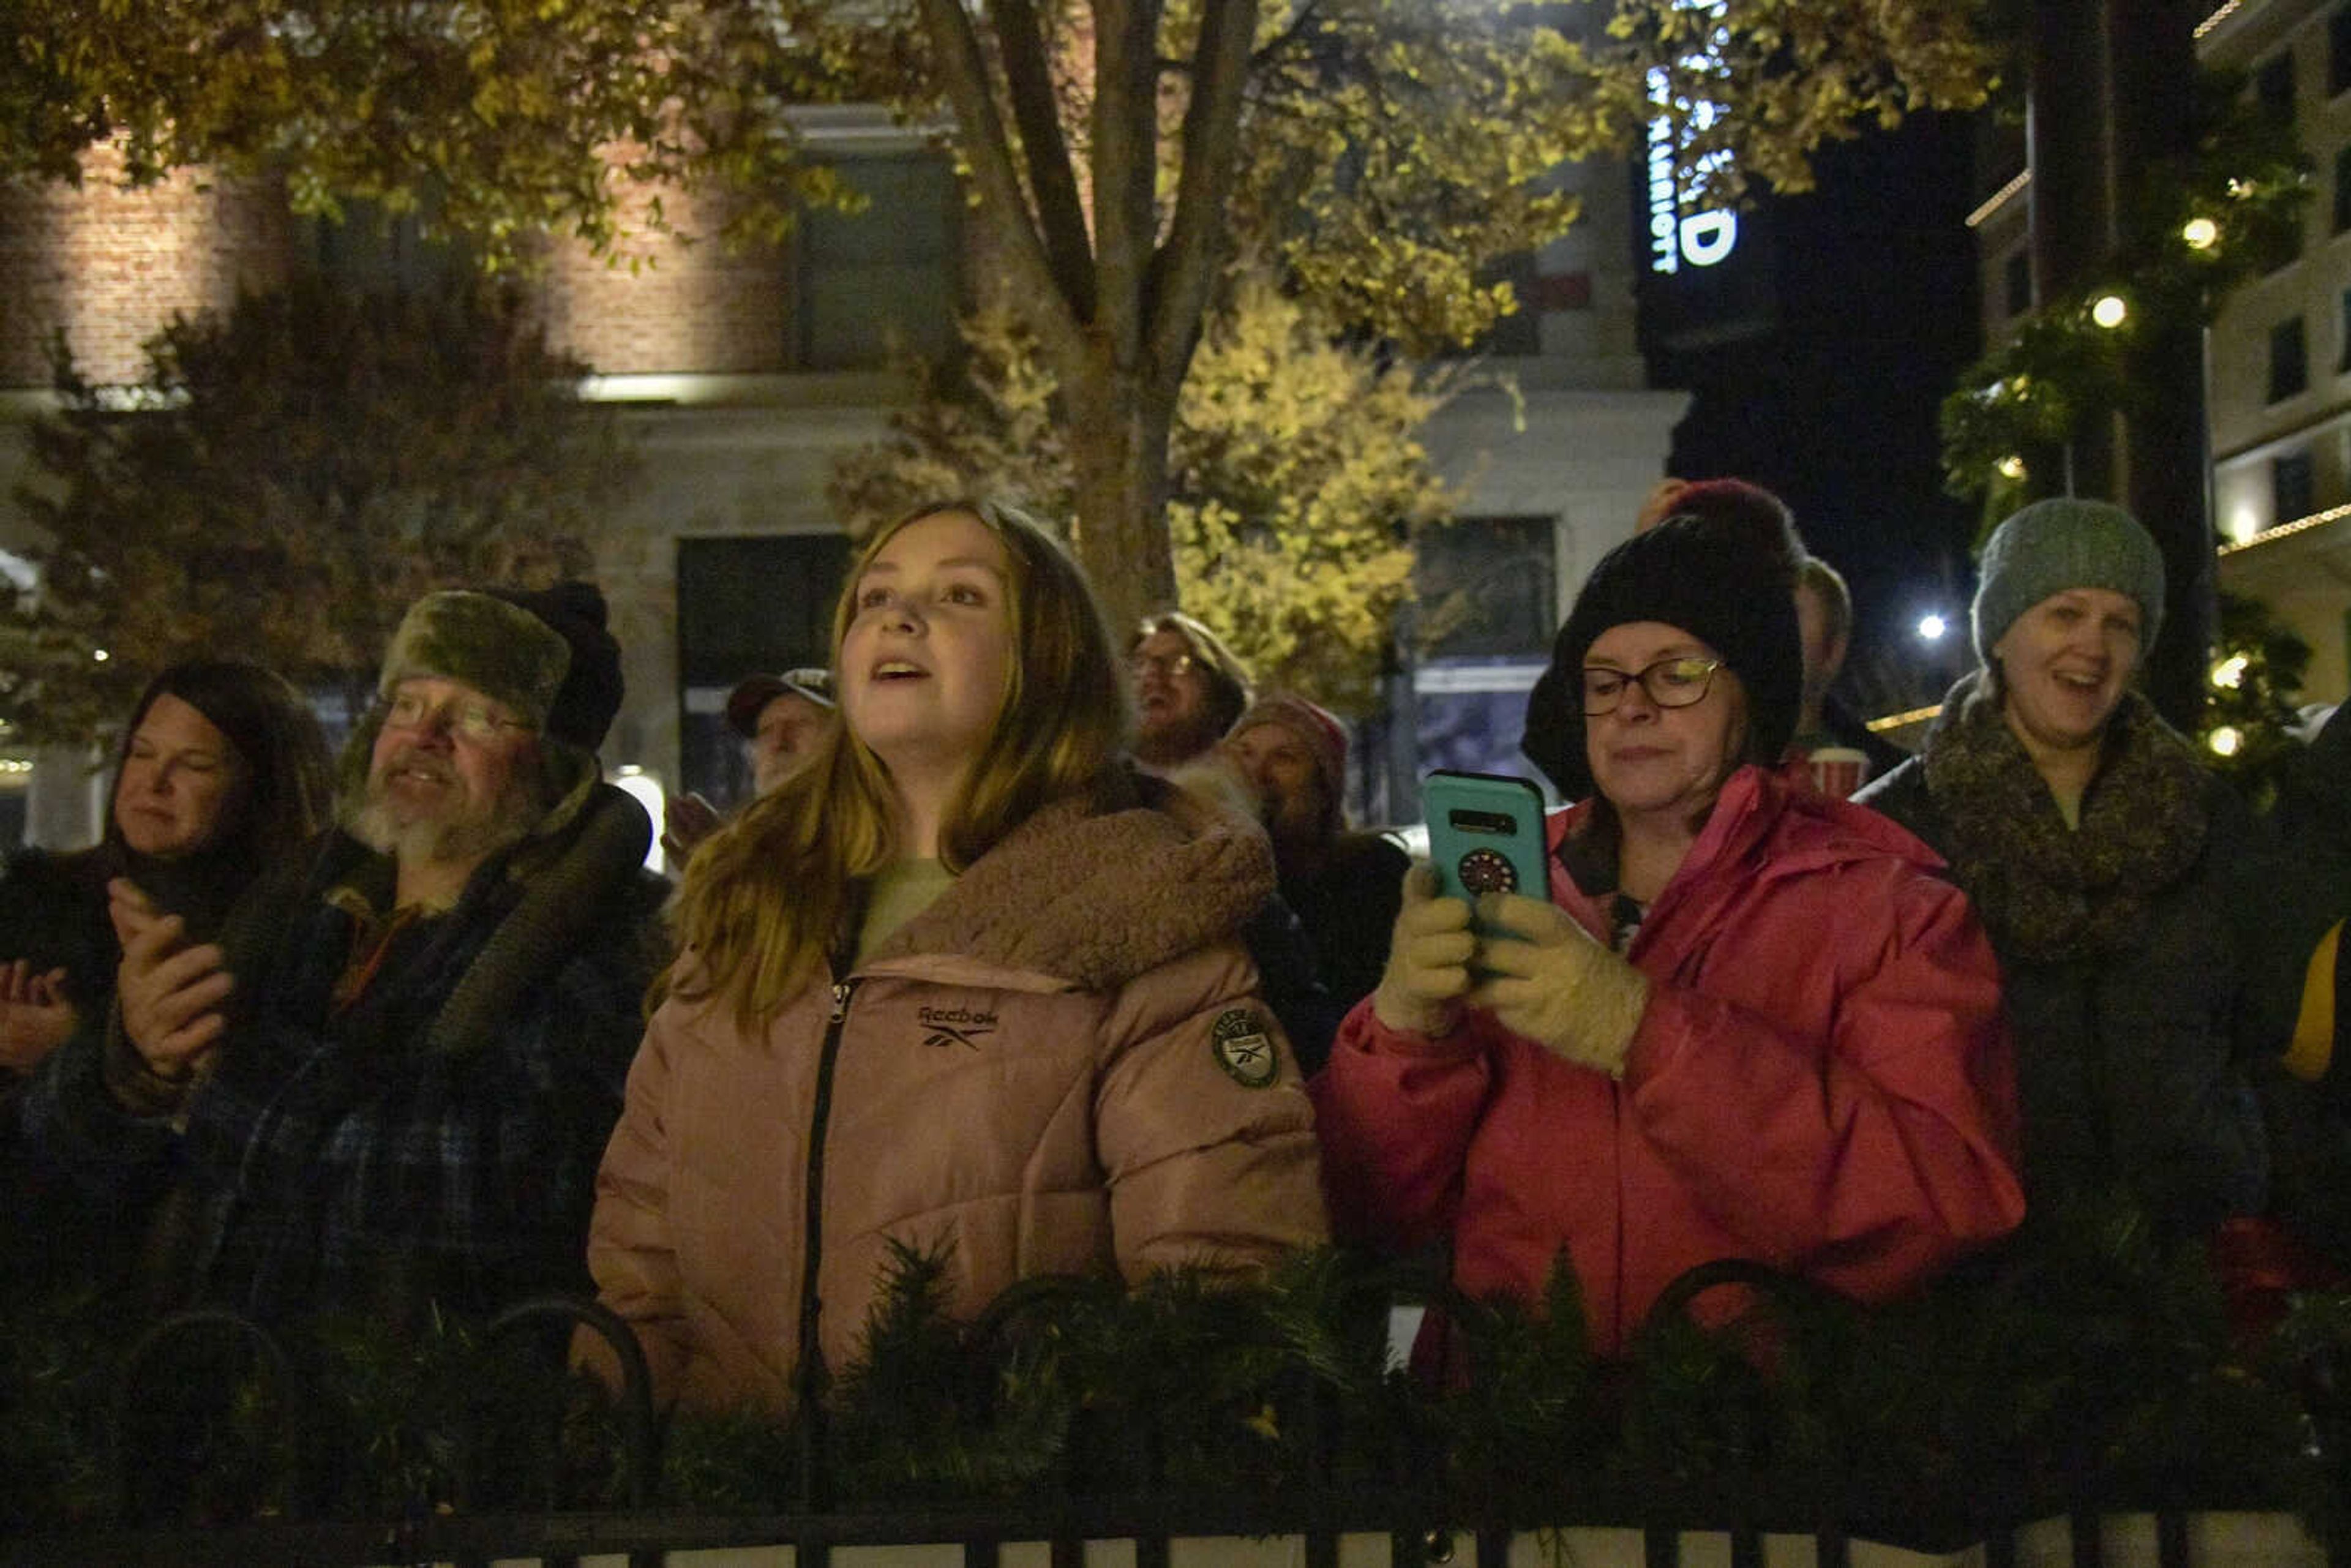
{"points": [[783, 717]]}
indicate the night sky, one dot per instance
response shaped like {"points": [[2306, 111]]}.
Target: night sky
{"points": [[1872, 281]]}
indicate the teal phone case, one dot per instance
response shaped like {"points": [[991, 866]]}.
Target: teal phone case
{"points": [[1484, 834]]}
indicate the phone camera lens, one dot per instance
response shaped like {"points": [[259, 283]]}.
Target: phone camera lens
{"points": [[1487, 871]]}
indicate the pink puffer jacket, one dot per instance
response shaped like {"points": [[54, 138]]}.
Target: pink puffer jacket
{"points": [[1061, 1066]]}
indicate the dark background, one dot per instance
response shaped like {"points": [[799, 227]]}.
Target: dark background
{"points": [[1819, 376]]}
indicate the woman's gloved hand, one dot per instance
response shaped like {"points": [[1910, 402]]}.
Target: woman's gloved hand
{"points": [[1546, 979], [1428, 960]]}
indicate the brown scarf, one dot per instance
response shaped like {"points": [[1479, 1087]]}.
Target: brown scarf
{"points": [[2047, 892]]}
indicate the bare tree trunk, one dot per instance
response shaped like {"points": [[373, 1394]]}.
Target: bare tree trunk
{"points": [[1117, 310], [1118, 447]]}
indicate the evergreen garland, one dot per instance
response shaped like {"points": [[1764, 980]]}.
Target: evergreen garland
{"points": [[2257, 674], [2015, 409], [2086, 1355]]}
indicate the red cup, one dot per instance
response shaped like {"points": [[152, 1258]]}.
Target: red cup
{"points": [[1837, 770]]}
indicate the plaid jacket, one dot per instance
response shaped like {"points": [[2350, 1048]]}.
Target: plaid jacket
{"points": [[436, 1139]]}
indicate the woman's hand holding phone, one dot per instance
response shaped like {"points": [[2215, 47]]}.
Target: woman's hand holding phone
{"points": [[1546, 978], [1429, 951]]}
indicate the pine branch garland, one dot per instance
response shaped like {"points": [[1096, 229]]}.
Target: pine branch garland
{"points": [[2089, 1353]]}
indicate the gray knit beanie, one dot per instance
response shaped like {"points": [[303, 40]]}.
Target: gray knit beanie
{"points": [[2060, 543]]}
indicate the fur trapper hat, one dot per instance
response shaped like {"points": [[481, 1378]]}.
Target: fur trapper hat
{"points": [[1726, 583], [544, 654]]}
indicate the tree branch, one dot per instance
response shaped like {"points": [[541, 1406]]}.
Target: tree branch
{"points": [[963, 72], [1185, 269], [1028, 76], [1125, 167]]}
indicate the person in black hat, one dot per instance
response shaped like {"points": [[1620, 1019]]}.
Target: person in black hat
{"points": [[1748, 1020], [393, 1086]]}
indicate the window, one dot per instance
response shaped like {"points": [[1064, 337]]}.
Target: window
{"points": [[2274, 87], [745, 605], [2343, 190], [2338, 51], [2291, 492], [2278, 242], [2017, 279], [1485, 587], [2289, 359], [883, 278], [2344, 361], [371, 251]]}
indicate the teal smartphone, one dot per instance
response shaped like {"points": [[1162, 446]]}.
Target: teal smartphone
{"points": [[1484, 834]]}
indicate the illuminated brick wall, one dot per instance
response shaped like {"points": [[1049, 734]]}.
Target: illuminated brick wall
{"points": [[109, 267], [706, 308]]}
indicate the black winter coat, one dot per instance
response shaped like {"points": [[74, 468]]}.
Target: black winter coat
{"points": [[2135, 1057]]}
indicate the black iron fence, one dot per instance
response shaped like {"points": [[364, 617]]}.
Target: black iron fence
{"points": [[1737, 1441]]}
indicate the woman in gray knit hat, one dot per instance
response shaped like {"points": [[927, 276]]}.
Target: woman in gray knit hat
{"points": [[2100, 856]]}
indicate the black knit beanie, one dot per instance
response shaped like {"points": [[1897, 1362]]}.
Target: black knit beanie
{"points": [[1731, 587], [591, 690]]}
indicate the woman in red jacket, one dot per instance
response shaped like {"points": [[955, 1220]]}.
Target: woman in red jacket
{"points": [[1748, 1023]]}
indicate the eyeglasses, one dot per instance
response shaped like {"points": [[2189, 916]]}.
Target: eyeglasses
{"points": [[1669, 682], [471, 722], [1172, 665]]}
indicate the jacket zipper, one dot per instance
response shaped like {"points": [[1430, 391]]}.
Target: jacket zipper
{"points": [[808, 1375]]}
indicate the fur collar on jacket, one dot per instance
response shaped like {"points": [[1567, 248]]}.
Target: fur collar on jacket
{"points": [[1095, 898], [548, 898], [2044, 890]]}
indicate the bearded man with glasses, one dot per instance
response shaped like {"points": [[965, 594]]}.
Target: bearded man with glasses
{"points": [[393, 1089]]}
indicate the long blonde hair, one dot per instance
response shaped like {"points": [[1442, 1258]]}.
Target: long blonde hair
{"points": [[768, 898]]}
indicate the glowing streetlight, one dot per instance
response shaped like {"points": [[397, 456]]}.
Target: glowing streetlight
{"points": [[2011, 466], [632, 779], [2201, 234], [99, 656], [2226, 741], [1931, 627], [2109, 311], [2230, 673]]}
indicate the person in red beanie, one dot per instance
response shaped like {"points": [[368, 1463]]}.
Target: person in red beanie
{"points": [[1344, 886]]}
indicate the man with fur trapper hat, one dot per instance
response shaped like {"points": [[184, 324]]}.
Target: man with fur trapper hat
{"points": [[395, 1087]]}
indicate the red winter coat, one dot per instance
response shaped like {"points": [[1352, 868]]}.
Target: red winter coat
{"points": [[1821, 1082]]}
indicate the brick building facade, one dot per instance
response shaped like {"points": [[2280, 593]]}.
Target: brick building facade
{"points": [[743, 371]]}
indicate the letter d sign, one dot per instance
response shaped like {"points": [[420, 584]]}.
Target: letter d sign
{"points": [[1708, 237]]}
